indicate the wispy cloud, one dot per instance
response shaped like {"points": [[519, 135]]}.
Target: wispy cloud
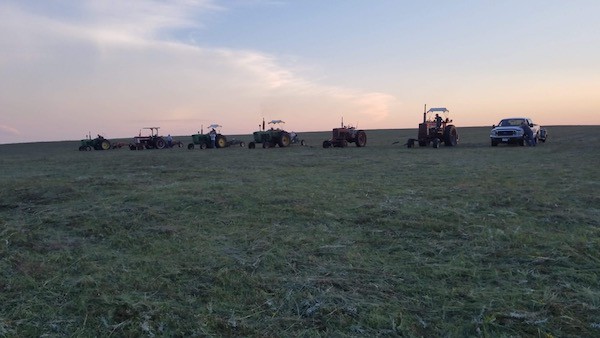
{"points": [[109, 65]]}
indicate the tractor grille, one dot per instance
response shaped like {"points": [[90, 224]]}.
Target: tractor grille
{"points": [[506, 132]]}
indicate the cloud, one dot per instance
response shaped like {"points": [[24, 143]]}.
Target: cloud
{"points": [[114, 66], [4, 129]]}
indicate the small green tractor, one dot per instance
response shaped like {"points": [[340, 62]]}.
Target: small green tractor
{"points": [[204, 140], [99, 143], [152, 141], [274, 136]]}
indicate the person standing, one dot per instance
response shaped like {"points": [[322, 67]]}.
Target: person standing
{"points": [[213, 138], [528, 134], [169, 141]]}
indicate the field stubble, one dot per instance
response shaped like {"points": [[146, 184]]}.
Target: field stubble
{"points": [[381, 240]]}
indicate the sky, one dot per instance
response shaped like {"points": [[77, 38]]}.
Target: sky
{"points": [[112, 67]]}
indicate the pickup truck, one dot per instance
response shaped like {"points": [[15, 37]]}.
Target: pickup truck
{"points": [[510, 131]]}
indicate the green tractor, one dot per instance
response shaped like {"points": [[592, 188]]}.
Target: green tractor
{"points": [[205, 141], [99, 143], [274, 136]]}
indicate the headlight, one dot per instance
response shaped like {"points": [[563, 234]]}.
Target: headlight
{"points": [[494, 133]]}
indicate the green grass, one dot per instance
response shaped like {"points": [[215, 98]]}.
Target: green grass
{"points": [[304, 241]]}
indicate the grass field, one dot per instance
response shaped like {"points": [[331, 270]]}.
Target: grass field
{"points": [[303, 241]]}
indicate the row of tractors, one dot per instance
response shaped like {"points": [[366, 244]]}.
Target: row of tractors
{"points": [[434, 130]]}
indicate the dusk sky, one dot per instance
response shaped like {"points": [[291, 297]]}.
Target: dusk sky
{"points": [[112, 67]]}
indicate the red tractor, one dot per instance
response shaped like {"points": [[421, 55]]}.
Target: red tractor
{"points": [[344, 135], [434, 130], [152, 141]]}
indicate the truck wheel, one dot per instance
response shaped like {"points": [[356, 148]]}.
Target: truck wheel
{"points": [[251, 145], [190, 146], [160, 143], [221, 141], [436, 143], [494, 143], [284, 141], [521, 142], [450, 136], [361, 138]]}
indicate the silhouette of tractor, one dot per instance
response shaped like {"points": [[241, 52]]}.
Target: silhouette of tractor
{"points": [[99, 143], [152, 141], [434, 130], [274, 136], [344, 135]]}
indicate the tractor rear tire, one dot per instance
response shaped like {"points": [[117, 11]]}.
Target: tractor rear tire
{"points": [[160, 143], [251, 145], [284, 141], [361, 138], [221, 141], [191, 146], [105, 145], [450, 136]]}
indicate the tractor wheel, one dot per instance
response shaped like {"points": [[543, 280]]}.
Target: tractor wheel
{"points": [[251, 145], [284, 141], [203, 145], [104, 145], [160, 143], [436, 143], [326, 144], [361, 138], [80, 148], [342, 144], [88, 148], [302, 143], [450, 136], [221, 141], [410, 143], [131, 147], [190, 146], [242, 144]]}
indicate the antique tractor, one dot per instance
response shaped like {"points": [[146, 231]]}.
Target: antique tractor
{"points": [[344, 135], [273, 136], [204, 140], [434, 130], [152, 141], [99, 143]]}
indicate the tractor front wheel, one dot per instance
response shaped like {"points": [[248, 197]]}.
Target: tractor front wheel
{"points": [[203, 145], [190, 146], [302, 143], [242, 144], [361, 138], [251, 145], [326, 144]]}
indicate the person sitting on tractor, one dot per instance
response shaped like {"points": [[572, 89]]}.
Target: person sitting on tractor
{"points": [[438, 121]]}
